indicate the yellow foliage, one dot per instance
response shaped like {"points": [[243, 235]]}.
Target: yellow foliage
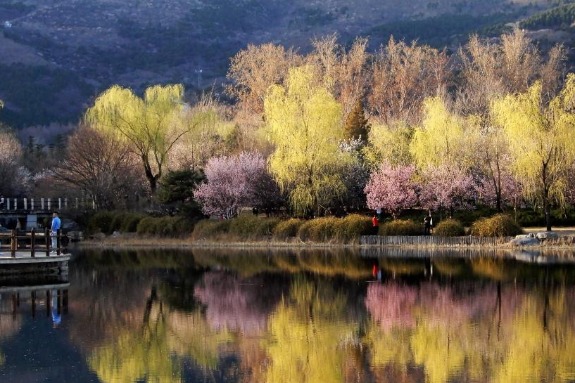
{"points": [[151, 125], [443, 138], [389, 144], [541, 138], [304, 347], [304, 123], [134, 356]]}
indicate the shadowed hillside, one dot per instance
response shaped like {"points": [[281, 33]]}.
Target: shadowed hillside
{"points": [[55, 56]]}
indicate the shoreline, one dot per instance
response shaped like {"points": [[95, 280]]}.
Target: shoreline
{"points": [[562, 243]]}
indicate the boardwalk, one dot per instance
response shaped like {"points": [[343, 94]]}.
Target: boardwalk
{"points": [[30, 253]]}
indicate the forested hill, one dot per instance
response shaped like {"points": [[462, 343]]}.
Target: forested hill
{"points": [[56, 55]]}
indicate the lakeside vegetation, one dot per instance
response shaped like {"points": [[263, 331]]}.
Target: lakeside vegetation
{"points": [[126, 229], [483, 131]]}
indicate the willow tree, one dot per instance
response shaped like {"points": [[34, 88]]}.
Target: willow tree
{"points": [[443, 138], [150, 125], [541, 139], [304, 124]]}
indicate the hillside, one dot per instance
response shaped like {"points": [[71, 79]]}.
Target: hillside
{"points": [[55, 56]]}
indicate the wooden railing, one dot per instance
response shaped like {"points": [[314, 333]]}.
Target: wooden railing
{"points": [[433, 241], [33, 241]]}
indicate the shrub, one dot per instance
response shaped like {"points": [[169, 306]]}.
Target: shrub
{"points": [[124, 221], [400, 227], [147, 225], [101, 222], [164, 226], [351, 227], [130, 222], [318, 229], [287, 229], [248, 226], [449, 228], [500, 225], [210, 228]]}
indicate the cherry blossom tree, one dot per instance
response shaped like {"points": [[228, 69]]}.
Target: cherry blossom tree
{"points": [[234, 182], [497, 192], [392, 188], [447, 187]]}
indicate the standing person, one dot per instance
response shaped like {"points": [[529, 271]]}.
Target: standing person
{"points": [[375, 224], [56, 225], [427, 222]]}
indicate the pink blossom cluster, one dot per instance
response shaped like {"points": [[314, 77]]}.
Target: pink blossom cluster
{"points": [[391, 188], [232, 182]]}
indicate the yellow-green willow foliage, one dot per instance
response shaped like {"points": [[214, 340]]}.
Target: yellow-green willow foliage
{"points": [[190, 336], [309, 338], [136, 355], [151, 125], [304, 123], [542, 344], [541, 140], [210, 135], [443, 137], [389, 143]]}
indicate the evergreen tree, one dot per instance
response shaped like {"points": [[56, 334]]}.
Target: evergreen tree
{"points": [[356, 125]]}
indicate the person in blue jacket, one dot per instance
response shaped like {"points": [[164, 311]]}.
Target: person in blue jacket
{"points": [[56, 225]]}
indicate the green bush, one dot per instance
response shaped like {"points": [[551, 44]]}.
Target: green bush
{"points": [[400, 227], [124, 221], [351, 227], [318, 229], [101, 222], [287, 229], [249, 226], [147, 225], [529, 217], [500, 225], [449, 228], [210, 228], [164, 226], [130, 222]]}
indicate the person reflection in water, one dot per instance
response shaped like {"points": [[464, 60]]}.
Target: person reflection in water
{"points": [[56, 316]]}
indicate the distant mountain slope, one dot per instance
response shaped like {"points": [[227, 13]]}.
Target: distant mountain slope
{"points": [[55, 56]]}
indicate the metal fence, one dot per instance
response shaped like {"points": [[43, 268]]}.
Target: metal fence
{"points": [[44, 204]]}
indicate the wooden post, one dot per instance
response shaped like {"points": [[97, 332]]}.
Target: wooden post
{"points": [[33, 242], [58, 239], [47, 239], [33, 298], [13, 243]]}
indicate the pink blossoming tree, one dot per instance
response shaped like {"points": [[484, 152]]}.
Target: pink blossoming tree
{"points": [[392, 188], [447, 187], [233, 182]]}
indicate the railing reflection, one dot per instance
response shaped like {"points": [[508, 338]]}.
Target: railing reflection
{"points": [[52, 298]]}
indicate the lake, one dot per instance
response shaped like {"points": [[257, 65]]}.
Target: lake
{"points": [[324, 316]]}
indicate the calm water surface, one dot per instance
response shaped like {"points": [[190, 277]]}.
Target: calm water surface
{"points": [[291, 316]]}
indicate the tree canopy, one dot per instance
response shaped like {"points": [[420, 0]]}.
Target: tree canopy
{"points": [[541, 139], [304, 123], [151, 125]]}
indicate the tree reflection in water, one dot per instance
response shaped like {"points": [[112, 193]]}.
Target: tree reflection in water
{"points": [[320, 316]]}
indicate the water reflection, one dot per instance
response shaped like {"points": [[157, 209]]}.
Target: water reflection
{"points": [[311, 316]]}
